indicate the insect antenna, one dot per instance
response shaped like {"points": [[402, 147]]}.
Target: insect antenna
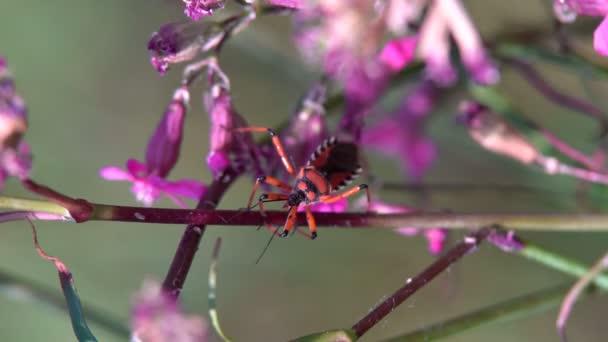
{"points": [[267, 244], [244, 210]]}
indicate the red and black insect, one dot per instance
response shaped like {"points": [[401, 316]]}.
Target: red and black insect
{"points": [[330, 168]]}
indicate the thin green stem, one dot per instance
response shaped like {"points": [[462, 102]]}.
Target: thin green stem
{"points": [[560, 263]]}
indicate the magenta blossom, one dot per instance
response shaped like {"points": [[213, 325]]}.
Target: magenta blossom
{"points": [[566, 11], [366, 84], [149, 178], [196, 9], [435, 236], [338, 206], [449, 18], [15, 156], [401, 134], [147, 188], [156, 317]]}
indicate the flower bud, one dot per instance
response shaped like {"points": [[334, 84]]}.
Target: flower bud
{"points": [[164, 145], [495, 134], [181, 42]]}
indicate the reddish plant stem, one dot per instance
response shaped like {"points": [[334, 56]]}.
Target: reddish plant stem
{"points": [[524, 221], [188, 245], [536, 80], [79, 209], [414, 284]]}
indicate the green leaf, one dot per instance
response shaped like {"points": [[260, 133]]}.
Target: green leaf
{"points": [[79, 324]]}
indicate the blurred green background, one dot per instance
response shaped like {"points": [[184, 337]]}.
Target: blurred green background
{"points": [[84, 71]]}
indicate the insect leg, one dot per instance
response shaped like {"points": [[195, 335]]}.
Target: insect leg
{"points": [[346, 194], [291, 221], [312, 225], [269, 197], [277, 144], [266, 180]]}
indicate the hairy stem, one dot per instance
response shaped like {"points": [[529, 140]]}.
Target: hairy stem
{"points": [[508, 310], [414, 284], [206, 215], [184, 255]]}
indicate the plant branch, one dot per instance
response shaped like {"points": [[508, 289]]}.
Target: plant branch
{"points": [[501, 312], [184, 255], [574, 293], [414, 284], [206, 215], [536, 80]]}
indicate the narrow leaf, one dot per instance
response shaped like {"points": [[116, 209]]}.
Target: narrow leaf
{"points": [[79, 325]]}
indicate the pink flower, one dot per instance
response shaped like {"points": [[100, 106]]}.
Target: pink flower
{"points": [[449, 18], [147, 188], [15, 156], [338, 206], [156, 317], [401, 134], [196, 9], [566, 11], [149, 178], [435, 236], [365, 84]]}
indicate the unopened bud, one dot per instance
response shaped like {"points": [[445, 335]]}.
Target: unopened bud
{"points": [[164, 145], [181, 42], [495, 134]]}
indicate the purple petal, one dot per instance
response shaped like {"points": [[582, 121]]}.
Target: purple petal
{"points": [[185, 187], [600, 38], [339, 206], [135, 167], [398, 53], [407, 231], [114, 173], [164, 145], [196, 9], [217, 161], [436, 239], [146, 191]]}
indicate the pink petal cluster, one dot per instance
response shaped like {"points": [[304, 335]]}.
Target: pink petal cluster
{"points": [[226, 147], [401, 134], [566, 11], [196, 9], [445, 19], [156, 317], [15, 156], [435, 237], [365, 85], [149, 178], [148, 188]]}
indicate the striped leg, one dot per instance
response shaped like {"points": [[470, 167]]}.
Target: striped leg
{"points": [[277, 145], [346, 194], [266, 180], [290, 222], [312, 225], [269, 197]]}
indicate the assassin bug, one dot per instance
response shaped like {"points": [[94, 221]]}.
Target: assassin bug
{"points": [[330, 168]]}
